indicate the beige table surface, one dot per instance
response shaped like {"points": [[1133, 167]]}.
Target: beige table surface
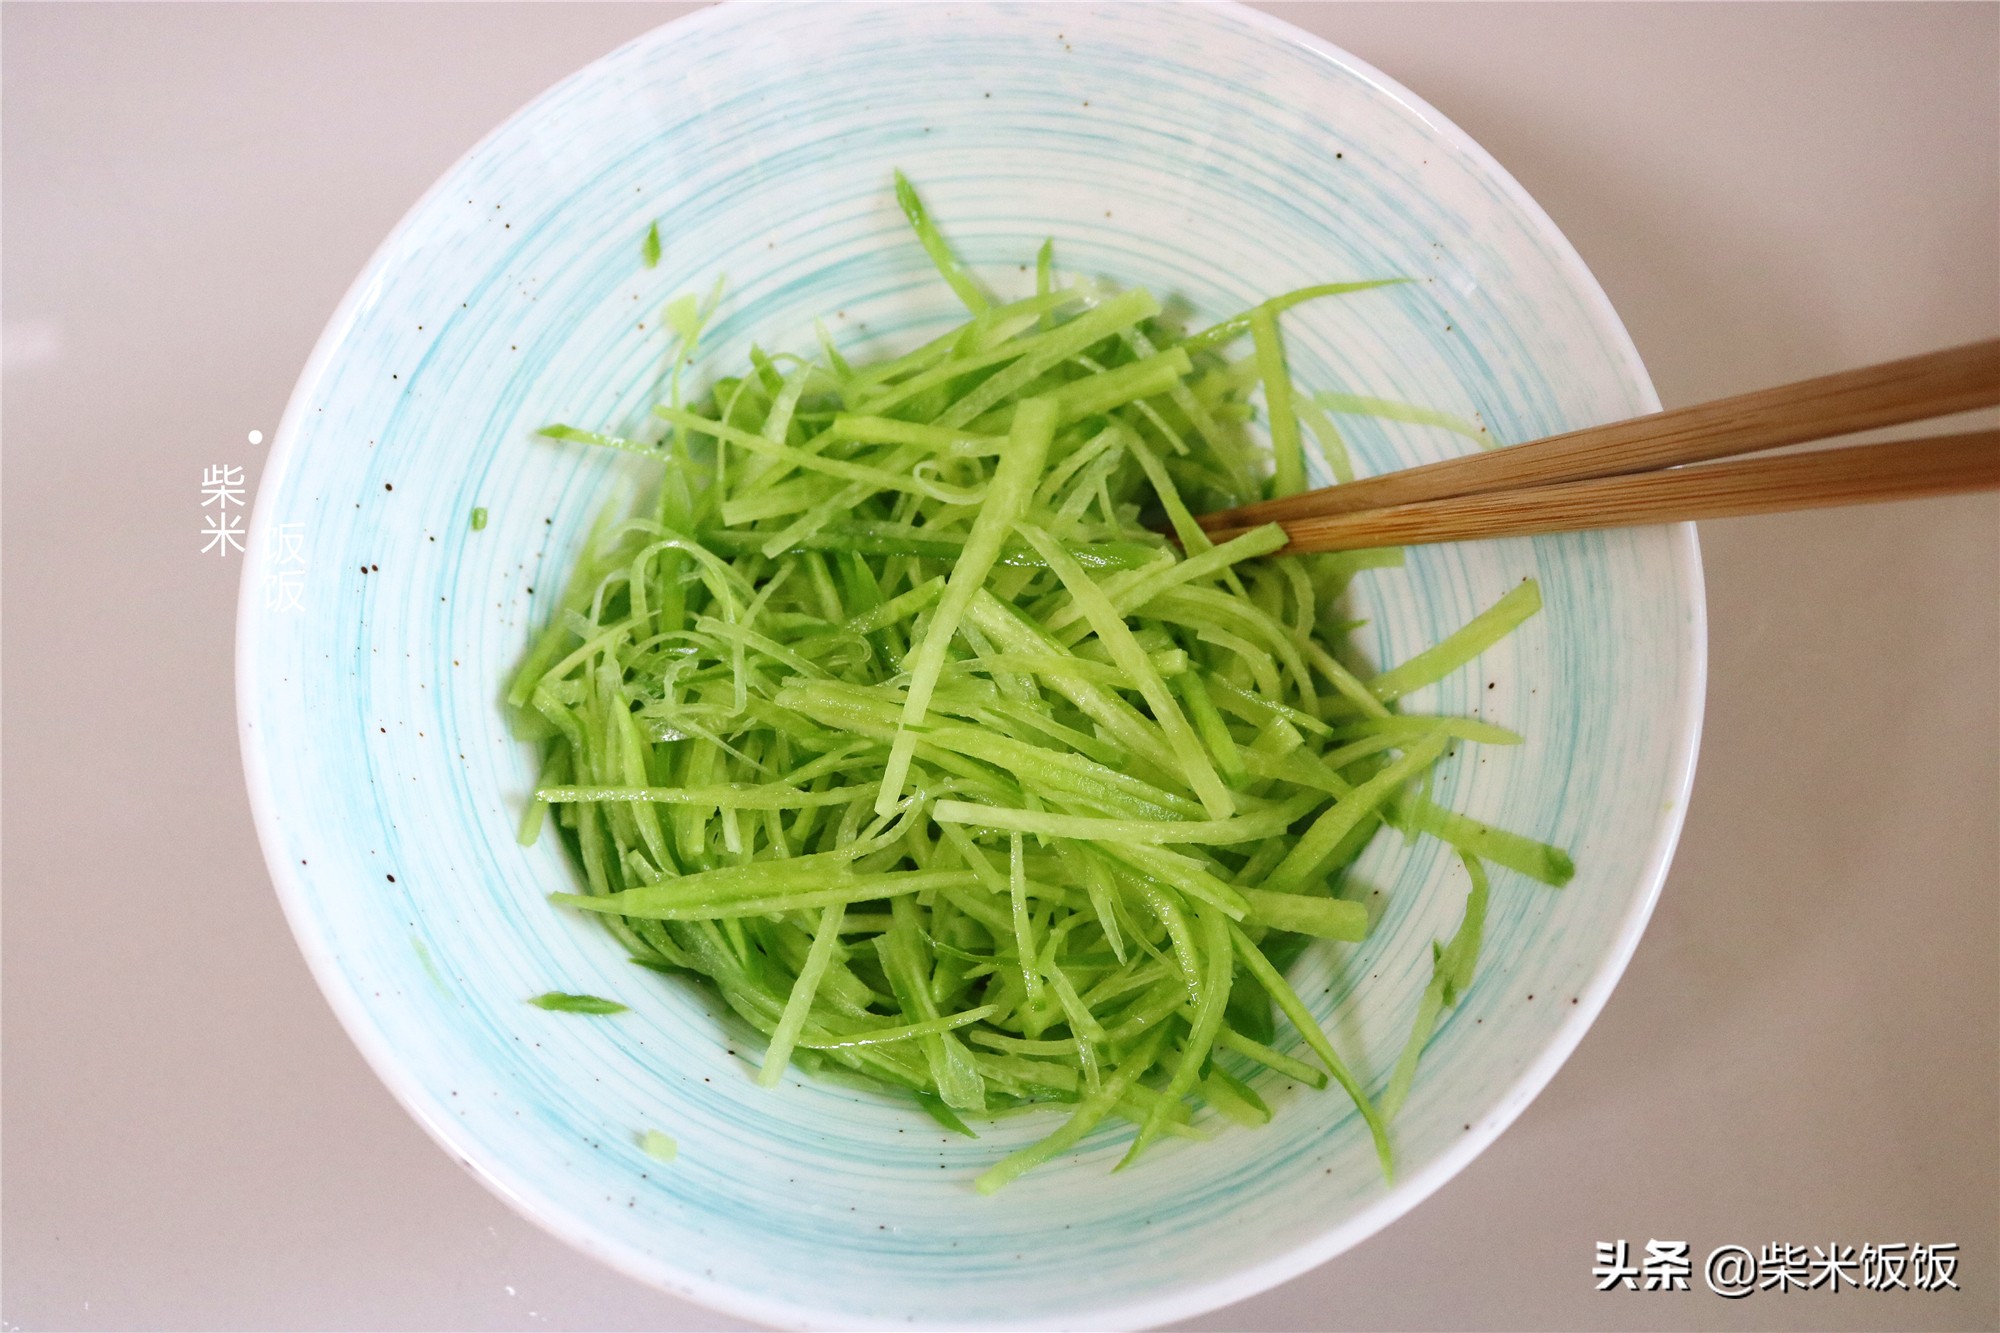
{"points": [[1804, 1049]]}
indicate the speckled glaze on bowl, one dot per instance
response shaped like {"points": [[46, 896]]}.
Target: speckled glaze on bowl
{"points": [[1208, 152]]}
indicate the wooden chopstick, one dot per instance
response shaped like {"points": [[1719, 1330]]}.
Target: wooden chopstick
{"points": [[1863, 474], [1937, 384]]}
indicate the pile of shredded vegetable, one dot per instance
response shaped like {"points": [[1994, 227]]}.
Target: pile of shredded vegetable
{"points": [[898, 723]]}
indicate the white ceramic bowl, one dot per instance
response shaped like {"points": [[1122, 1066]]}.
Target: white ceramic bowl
{"points": [[1212, 153]]}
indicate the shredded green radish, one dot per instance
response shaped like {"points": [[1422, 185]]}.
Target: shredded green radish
{"points": [[576, 1004], [895, 721], [1451, 974]]}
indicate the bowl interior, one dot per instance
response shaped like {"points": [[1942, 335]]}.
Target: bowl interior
{"points": [[1213, 155]]}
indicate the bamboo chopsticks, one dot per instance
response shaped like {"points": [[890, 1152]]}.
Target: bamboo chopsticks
{"points": [[1629, 472]]}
